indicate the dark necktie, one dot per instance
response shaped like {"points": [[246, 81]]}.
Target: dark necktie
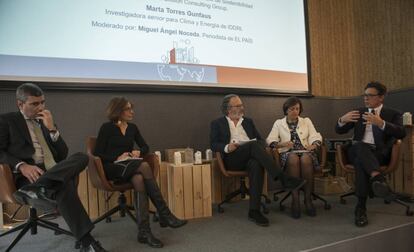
{"points": [[377, 132]]}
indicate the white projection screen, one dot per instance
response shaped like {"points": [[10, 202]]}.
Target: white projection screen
{"points": [[244, 44]]}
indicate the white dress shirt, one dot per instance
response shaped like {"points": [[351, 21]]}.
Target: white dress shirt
{"points": [[237, 133]]}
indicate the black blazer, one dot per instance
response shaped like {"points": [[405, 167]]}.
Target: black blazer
{"points": [[16, 144], [393, 130], [220, 133]]}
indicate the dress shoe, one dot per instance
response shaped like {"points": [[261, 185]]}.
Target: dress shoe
{"points": [[169, 220], [361, 218], [95, 246], [257, 217], [35, 196], [292, 183], [146, 236]]}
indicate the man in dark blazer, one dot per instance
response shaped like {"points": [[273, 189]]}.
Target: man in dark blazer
{"points": [[242, 147], [376, 128], [32, 146]]}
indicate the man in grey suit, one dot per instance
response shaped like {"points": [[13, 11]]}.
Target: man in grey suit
{"points": [[34, 149]]}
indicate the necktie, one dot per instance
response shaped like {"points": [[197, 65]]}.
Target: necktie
{"points": [[48, 159], [376, 131]]}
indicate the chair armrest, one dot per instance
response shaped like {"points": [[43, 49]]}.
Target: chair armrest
{"points": [[342, 159], [395, 158], [7, 186], [221, 165]]}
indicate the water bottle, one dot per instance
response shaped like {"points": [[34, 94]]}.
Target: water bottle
{"points": [[407, 118]]}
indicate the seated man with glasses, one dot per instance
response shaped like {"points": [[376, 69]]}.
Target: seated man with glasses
{"points": [[242, 147], [376, 128]]}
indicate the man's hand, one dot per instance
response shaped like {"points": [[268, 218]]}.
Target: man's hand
{"points": [[351, 116], [233, 146], [47, 118], [372, 119], [31, 172], [136, 153]]}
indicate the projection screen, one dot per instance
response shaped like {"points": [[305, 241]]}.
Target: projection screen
{"points": [[247, 44]]}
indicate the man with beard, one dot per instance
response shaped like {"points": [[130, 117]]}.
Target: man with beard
{"points": [[242, 148]]}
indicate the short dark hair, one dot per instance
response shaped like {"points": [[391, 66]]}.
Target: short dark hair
{"points": [[116, 107], [28, 89], [381, 88], [225, 103], [290, 102]]}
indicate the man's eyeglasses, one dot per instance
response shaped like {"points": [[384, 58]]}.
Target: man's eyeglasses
{"points": [[370, 95], [236, 106], [35, 104]]}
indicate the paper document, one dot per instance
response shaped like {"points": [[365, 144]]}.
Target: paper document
{"points": [[126, 159], [246, 141]]}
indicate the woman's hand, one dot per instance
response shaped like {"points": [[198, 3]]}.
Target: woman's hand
{"points": [[311, 147], [136, 153], [124, 155], [288, 144]]}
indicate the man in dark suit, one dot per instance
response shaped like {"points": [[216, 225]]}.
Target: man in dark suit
{"points": [[231, 135], [32, 146], [376, 128]]}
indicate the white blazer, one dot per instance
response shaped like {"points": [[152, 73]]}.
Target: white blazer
{"points": [[281, 133]]}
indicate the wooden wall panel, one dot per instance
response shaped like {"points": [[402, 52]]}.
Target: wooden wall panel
{"points": [[355, 41]]}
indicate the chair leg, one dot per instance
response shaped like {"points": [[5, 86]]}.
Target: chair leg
{"points": [[281, 206], [108, 214], [26, 228], [128, 212], [227, 199], [275, 198], [53, 226], [342, 200], [15, 229], [266, 199], [327, 206], [408, 212]]}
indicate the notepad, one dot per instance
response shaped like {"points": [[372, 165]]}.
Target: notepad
{"points": [[126, 159]]}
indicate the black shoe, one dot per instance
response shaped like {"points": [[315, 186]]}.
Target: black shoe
{"points": [[292, 183], [169, 220], [381, 189], [95, 246], [361, 218], [257, 217], [148, 238], [35, 196]]}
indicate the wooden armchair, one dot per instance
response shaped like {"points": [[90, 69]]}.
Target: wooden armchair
{"points": [[99, 181], [242, 191], [348, 168]]}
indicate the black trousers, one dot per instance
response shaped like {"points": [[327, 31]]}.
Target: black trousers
{"points": [[253, 158], [365, 159], [60, 181]]}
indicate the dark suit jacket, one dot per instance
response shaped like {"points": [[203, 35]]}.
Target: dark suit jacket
{"points": [[383, 139], [220, 133], [16, 144]]}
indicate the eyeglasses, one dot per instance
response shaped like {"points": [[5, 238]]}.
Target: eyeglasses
{"points": [[370, 95], [236, 106], [128, 109]]}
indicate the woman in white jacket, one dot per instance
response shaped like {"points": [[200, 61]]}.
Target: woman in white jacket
{"points": [[296, 139]]}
